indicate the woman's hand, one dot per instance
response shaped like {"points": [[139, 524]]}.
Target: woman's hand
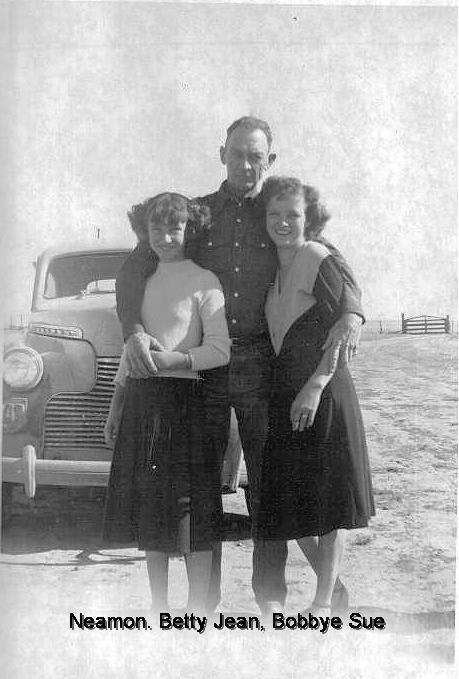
{"points": [[304, 407], [169, 360], [111, 429], [161, 362]]}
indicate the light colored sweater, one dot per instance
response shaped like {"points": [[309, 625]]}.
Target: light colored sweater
{"points": [[184, 309]]}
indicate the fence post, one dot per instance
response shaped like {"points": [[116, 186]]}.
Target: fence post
{"points": [[403, 324], [447, 324]]}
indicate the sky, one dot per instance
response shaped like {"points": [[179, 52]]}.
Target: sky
{"points": [[113, 102]]}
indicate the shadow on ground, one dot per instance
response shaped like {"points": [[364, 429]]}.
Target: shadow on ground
{"points": [[71, 519]]}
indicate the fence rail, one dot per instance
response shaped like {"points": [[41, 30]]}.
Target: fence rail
{"points": [[426, 325], [394, 326]]}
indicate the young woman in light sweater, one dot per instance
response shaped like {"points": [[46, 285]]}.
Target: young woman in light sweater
{"points": [[164, 488]]}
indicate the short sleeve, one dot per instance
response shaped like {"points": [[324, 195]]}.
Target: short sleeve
{"points": [[312, 258], [351, 300], [328, 286]]}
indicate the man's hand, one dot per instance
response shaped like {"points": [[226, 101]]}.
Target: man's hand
{"points": [[138, 346], [344, 337]]}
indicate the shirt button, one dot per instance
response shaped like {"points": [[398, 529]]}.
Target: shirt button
{"points": [[238, 221], [236, 268], [235, 294]]}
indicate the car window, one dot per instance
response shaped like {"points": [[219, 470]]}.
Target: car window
{"points": [[91, 273], [100, 287]]}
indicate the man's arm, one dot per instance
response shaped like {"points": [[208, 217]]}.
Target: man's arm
{"points": [[130, 289]]}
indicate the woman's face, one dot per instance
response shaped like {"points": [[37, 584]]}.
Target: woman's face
{"points": [[286, 219], [167, 240]]}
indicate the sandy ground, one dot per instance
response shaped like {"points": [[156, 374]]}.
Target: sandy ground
{"points": [[401, 568]]}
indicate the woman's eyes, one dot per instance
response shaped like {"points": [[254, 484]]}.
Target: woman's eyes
{"points": [[292, 216], [157, 231]]}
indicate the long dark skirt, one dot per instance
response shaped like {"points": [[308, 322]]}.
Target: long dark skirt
{"points": [[164, 488], [317, 480]]}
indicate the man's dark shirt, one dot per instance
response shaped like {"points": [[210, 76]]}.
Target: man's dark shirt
{"points": [[237, 248]]}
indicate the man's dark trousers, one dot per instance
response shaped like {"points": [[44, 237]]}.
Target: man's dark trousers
{"points": [[245, 385]]}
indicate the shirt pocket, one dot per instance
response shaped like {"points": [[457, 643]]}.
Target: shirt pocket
{"points": [[215, 251], [259, 256]]}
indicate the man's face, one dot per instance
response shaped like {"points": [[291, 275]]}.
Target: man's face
{"points": [[246, 156]]}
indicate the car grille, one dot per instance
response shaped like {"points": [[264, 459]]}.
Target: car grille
{"points": [[77, 420]]}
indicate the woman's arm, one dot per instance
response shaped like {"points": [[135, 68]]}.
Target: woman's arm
{"points": [[351, 295], [345, 333], [327, 288], [214, 350], [114, 415], [304, 408]]}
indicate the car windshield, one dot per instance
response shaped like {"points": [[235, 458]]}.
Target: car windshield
{"points": [[83, 274]]}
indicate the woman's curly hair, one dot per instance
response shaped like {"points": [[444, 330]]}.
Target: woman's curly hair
{"points": [[169, 208], [316, 213]]}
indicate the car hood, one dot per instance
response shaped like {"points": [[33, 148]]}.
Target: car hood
{"points": [[95, 315]]}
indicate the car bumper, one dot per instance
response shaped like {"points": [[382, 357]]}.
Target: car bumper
{"points": [[29, 471]]}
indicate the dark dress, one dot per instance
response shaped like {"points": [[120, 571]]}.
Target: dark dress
{"points": [[317, 480], [164, 489]]}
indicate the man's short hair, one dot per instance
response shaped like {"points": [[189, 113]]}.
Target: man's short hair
{"points": [[251, 123]]}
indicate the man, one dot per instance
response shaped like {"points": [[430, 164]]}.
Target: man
{"points": [[237, 249]]}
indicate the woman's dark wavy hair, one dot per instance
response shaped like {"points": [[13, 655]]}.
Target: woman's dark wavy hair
{"points": [[316, 213], [169, 208]]}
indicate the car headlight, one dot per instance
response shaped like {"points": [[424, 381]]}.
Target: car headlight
{"points": [[22, 368]]}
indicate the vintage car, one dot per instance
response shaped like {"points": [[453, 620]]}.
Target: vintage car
{"points": [[58, 381]]}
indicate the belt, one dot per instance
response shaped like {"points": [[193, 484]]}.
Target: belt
{"points": [[248, 340]]}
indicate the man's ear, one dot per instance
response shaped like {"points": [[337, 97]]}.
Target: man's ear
{"points": [[223, 154], [271, 158]]}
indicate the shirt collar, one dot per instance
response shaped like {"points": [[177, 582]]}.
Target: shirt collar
{"points": [[224, 196]]}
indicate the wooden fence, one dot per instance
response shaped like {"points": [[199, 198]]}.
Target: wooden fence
{"points": [[423, 325]]}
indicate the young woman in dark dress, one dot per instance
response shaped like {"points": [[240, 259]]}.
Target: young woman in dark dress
{"points": [[164, 488], [316, 478]]}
